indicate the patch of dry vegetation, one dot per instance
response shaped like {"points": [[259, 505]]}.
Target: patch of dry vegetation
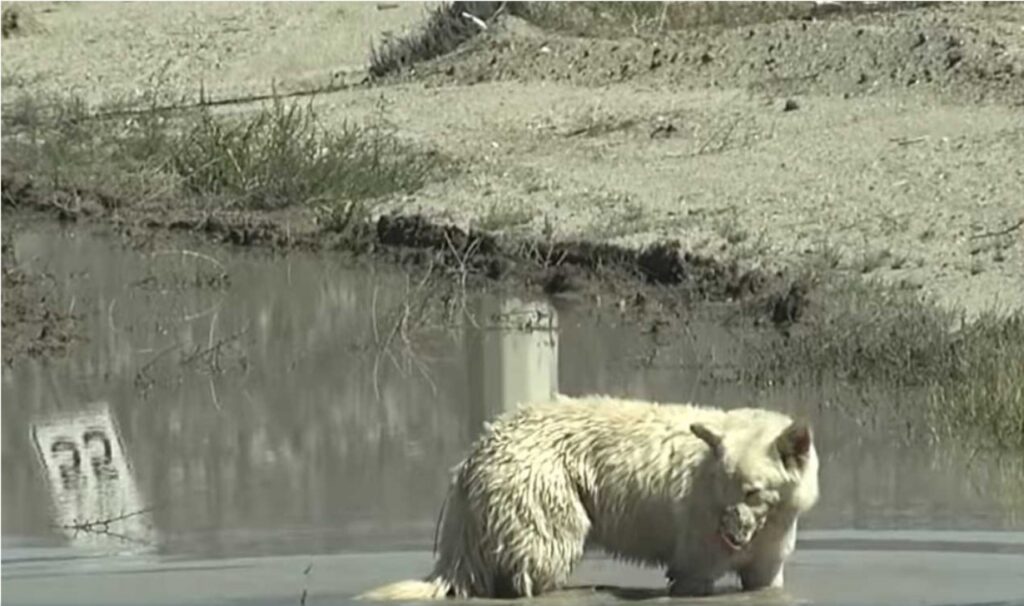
{"points": [[447, 26], [274, 157], [10, 20], [970, 374]]}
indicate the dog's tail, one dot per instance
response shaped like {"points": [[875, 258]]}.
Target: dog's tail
{"points": [[409, 591], [458, 569]]}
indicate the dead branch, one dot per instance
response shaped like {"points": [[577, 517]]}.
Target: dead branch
{"points": [[412, 310], [143, 380], [102, 527], [212, 352], [463, 261]]}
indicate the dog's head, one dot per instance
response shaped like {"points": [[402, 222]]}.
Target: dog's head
{"points": [[762, 467]]}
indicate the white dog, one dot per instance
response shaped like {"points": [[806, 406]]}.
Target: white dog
{"points": [[699, 491]]}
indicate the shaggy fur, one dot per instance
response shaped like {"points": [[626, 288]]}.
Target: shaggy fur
{"points": [[699, 491]]}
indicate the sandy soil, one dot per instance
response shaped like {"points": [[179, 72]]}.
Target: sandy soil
{"points": [[886, 145]]}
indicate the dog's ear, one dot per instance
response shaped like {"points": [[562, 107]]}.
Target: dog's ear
{"points": [[794, 444], [712, 439]]}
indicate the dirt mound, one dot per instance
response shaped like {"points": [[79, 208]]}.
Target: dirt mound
{"points": [[971, 53]]}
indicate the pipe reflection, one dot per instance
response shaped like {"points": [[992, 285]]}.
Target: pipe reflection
{"points": [[511, 358]]}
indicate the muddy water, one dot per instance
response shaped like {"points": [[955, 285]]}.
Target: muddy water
{"points": [[250, 427]]}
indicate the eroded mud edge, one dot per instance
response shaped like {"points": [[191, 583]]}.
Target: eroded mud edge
{"points": [[661, 280]]}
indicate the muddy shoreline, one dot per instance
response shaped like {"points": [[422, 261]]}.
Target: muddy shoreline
{"points": [[707, 163], [33, 324], [631, 125], [659, 282]]}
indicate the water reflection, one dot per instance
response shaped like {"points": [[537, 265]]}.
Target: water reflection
{"points": [[95, 499], [260, 415], [512, 359]]}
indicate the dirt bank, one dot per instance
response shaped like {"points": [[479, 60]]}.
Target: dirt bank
{"points": [[883, 144], [886, 143]]}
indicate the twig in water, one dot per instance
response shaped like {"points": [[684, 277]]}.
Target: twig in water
{"points": [[373, 315], [214, 349], [143, 380], [196, 255], [384, 348], [213, 394], [102, 527], [305, 589], [412, 309], [463, 261]]}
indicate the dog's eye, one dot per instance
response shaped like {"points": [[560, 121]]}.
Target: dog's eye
{"points": [[752, 495]]}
